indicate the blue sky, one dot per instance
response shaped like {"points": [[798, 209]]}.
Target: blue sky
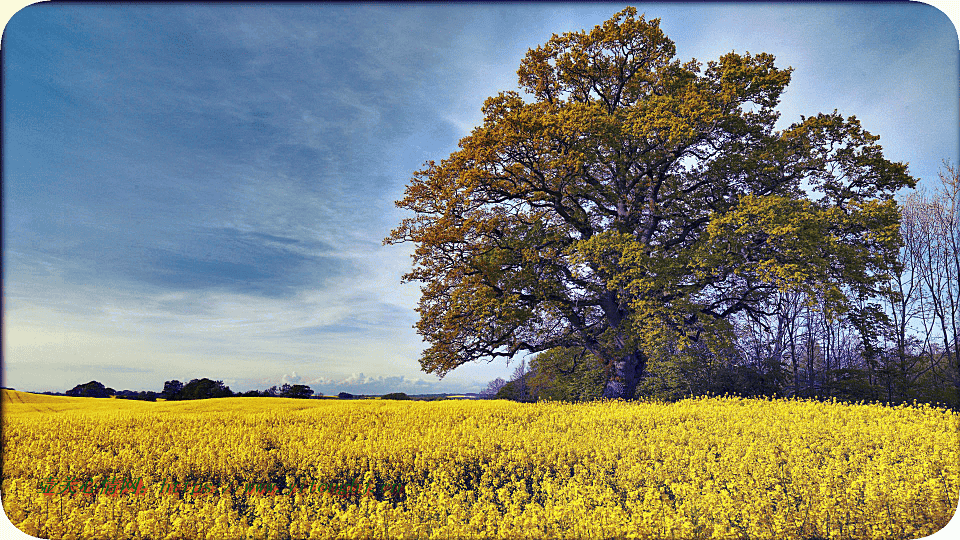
{"points": [[202, 190]]}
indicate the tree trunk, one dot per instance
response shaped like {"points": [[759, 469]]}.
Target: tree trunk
{"points": [[624, 376], [810, 379]]}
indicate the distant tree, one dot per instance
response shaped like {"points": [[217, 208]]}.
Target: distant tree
{"points": [[171, 389], [91, 389], [396, 395], [298, 391], [132, 394], [345, 395], [518, 389], [492, 388], [203, 389]]}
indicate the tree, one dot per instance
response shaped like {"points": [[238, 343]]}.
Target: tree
{"points": [[396, 395], [203, 389], [91, 389], [519, 382], [493, 387], [632, 205], [142, 395], [171, 389], [932, 229], [518, 388], [298, 391]]}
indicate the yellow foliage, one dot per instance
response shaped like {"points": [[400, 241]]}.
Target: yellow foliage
{"points": [[699, 468]]}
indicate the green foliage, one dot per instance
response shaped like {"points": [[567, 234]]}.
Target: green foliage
{"points": [[567, 374], [396, 395]]}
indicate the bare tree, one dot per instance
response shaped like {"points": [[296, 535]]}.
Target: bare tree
{"points": [[949, 219], [519, 380], [491, 390], [943, 260], [924, 304]]}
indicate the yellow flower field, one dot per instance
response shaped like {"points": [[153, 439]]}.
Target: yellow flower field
{"points": [[700, 468]]}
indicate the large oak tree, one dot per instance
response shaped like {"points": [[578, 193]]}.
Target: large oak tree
{"points": [[630, 204]]}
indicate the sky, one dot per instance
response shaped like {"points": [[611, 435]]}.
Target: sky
{"points": [[202, 190]]}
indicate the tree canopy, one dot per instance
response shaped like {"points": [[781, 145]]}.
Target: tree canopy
{"points": [[298, 391], [630, 204], [195, 389], [91, 389]]}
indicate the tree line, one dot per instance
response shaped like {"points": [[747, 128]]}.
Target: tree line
{"points": [[195, 389], [207, 389]]}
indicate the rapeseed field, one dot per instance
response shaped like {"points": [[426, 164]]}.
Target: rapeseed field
{"points": [[283, 468]]}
